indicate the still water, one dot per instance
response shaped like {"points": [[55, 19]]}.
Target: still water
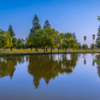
{"points": [[50, 77]]}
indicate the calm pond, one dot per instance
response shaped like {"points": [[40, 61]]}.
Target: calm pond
{"points": [[50, 77]]}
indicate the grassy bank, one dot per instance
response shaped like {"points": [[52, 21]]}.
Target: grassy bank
{"points": [[41, 51]]}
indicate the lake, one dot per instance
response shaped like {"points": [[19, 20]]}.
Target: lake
{"points": [[50, 77]]}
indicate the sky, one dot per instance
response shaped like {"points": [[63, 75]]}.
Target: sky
{"points": [[79, 16]]}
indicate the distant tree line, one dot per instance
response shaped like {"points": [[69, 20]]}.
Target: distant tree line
{"points": [[44, 37]]}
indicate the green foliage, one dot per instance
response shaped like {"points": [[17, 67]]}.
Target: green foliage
{"points": [[46, 25], [14, 41], [20, 43], [52, 35], [36, 24], [62, 35], [34, 39], [5, 39], [12, 34], [68, 41], [73, 44], [93, 46], [44, 38], [98, 43], [85, 46], [85, 38], [97, 61], [58, 41], [99, 18], [24, 46], [93, 36]]}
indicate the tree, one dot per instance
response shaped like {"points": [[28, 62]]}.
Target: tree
{"points": [[84, 61], [99, 18], [14, 41], [52, 35], [58, 41], [30, 40], [79, 45], [98, 43], [46, 25], [5, 39], [85, 46], [93, 46], [84, 39], [73, 44], [74, 36], [93, 37], [62, 40], [34, 39], [20, 43], [12, 34], [98, 38], [10, 29], [44, 38], [68, 41], [36, 24]]}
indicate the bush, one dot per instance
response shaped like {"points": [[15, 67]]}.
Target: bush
{"points": [[93, 46], [85, 46]]}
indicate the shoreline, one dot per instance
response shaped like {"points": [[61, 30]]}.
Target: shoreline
{"points": [[41, 53]]}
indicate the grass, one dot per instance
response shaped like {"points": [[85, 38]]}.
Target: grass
{"points": [[7, 51]]}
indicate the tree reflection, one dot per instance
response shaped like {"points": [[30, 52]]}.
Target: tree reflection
{"points": [[84, 56], [48, 66], [7, 65], [93, 63], [84, 61], [98, 66]]}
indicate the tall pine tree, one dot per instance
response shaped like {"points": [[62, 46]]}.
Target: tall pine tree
{"points": [[12, 34], [47, 24], [36, 24], [10, 29]]}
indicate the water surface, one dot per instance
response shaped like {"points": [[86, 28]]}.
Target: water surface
{"points": [[50, 77]]}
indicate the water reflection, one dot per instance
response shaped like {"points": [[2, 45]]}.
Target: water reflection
{"points": [[93, 63], [45, 67], [98, 66], [75, 79], [84, 61], [50, 66], [7, 65]]}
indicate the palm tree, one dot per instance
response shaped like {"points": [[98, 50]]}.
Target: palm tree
{"points": [[93, 39], [84, 39]]}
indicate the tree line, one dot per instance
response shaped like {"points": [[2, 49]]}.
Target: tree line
{"points": [[43, 37]]}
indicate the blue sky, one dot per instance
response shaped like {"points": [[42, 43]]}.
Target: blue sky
{"points": [[79, 16]]}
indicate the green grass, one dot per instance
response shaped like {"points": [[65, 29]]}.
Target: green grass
{"points": [[49, 51]]}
